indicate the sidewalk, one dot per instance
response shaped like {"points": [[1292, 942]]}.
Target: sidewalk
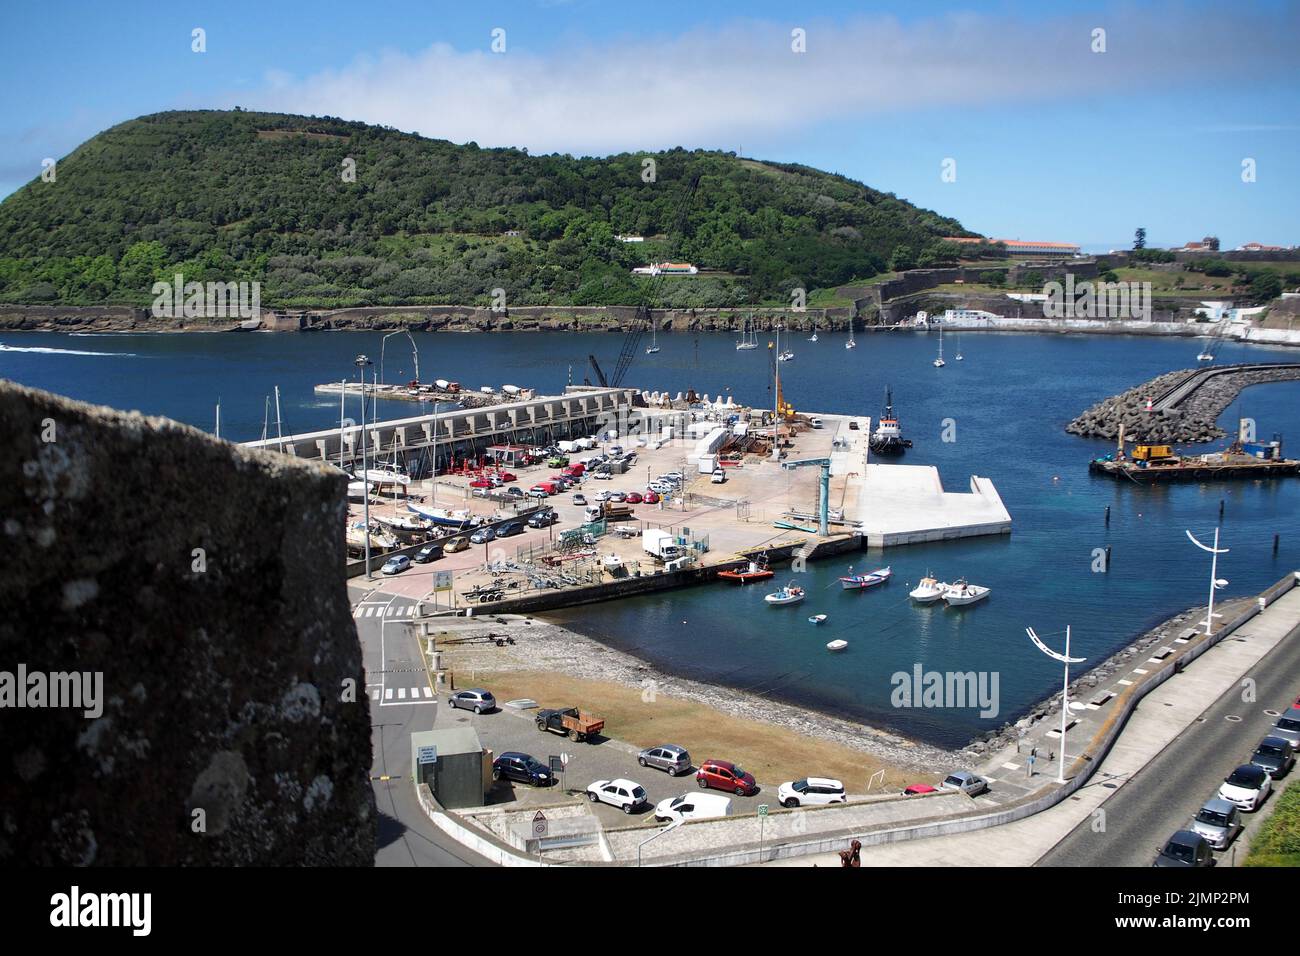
{"points": [[1163, 714]]}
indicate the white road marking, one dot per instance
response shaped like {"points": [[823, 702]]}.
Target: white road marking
{"points": [[1138, 670], [388, 693], [1126, 683], [1010, 766], [401, 693]]}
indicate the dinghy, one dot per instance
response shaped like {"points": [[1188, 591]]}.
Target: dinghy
{"points": [[837, 645]]}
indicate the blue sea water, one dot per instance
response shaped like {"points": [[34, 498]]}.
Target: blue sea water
{"points": [[1009, 400]]}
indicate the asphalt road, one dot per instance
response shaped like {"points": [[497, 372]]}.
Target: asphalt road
{"points": [[1165, 795], [396, 682]]}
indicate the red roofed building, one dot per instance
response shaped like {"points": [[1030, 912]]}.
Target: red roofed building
{"points": [[1018, 247]]}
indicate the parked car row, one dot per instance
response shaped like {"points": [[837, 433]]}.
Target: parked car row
{"points": [[1244, 790]]}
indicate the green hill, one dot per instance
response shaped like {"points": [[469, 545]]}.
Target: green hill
{"points": [[227, 196]]}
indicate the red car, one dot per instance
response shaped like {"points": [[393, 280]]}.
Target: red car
{"points": [[504, 476], [633, 498], [650, 498], [482, 483], [918, 788], [725, 775]]}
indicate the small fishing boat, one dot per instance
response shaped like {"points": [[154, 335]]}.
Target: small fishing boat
{"points": [[963, 592], [786, 356], [928, 591], [837, 645], [790, 594], [611, 562], [817, 619], [755, 571], [857, 582]]}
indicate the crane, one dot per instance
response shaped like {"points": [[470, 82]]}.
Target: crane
{"points": [[641, 321], [824, 497]]}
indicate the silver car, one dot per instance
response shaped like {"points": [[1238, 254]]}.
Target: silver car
{"points": [[1288, 727], [667, 757], [476, 699], [1218, 823], [971, 784]]}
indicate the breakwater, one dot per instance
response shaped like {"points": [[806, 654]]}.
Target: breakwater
{"points": [[1176, 407]]}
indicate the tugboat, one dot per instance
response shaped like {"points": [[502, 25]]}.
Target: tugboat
{"points": [[888, 438]]}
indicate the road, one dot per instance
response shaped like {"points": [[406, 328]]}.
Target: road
{"points": [[1165, 795], [401, 701]]}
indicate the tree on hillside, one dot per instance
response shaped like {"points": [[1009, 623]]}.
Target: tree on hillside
{"points": [[1140, 238]]}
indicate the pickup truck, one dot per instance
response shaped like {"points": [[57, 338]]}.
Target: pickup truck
{"points": [[571, 722]]}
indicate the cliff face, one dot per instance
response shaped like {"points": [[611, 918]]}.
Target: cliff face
{"points": [[192, 595]]}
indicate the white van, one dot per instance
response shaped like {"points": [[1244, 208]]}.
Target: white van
{"points": [[815, 422], [693, 806]]}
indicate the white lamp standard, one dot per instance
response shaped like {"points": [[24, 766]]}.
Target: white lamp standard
{"points": [[1067, 660], [361, 362], [1216, 582], [656, 835]]}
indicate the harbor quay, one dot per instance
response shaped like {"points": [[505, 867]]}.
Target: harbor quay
{"points": [[733, 488]]}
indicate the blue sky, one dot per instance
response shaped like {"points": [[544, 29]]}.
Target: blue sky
{"points": [[1052, 141]]}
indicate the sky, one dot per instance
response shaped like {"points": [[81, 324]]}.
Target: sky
{"points": [[1066, 122]]}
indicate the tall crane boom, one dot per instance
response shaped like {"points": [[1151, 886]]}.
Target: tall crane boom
{"points": [[641, 321]]}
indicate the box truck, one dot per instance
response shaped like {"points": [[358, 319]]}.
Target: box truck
{"points": [[661, 544]]}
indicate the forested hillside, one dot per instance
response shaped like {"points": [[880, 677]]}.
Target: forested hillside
{"points": [[227, 196]]}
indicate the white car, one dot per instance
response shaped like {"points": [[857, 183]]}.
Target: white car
{"points": [[627, 795], [1247, 787], [693, 806], [718, 477], [673, 476], [811, 792], [602, 495]]}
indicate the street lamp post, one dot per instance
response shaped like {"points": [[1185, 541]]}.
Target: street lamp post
{"points": [[1216, 582], [361, 363], [1067, 660]]}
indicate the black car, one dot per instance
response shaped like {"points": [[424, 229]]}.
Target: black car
{"points": [[509, 529], [430, 552], [543, 519], [1275, 756], [521, 768], [1185, 848]]}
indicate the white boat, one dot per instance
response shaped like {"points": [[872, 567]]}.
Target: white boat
{"points": [[790, 594], [858, 582], [850, 344], [817, 619], [963, 592], [837, 645], [611, 562], [398, 522], [939, 362], [385, 476], [958, 357], [357, 490], [748, 336], [654, 341], [785, 357], [443, 516], [356, 537], [928, 590]]}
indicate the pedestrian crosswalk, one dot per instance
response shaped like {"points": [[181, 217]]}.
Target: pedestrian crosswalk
{"points": [[382, 610], [408, 694]]}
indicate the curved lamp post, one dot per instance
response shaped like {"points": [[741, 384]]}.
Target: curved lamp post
{"points": [[1216, 582], [1067, 660]]}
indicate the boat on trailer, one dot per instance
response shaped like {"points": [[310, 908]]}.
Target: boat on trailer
{"points": [[858, 582]]}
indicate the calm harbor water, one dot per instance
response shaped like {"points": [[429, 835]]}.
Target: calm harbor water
{"points": [[1010, 399]]}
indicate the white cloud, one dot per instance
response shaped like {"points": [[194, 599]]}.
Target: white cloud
{"points": [[742, 81]]}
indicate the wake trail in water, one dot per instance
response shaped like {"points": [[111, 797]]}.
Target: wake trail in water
{"points": [[43, 350]]}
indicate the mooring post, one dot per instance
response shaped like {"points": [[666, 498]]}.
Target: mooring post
{"points": [[1108, 557], [1108, 516], [1275, 541]]}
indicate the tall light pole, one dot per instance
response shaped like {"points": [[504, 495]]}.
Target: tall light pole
{"points": [[361, 363], [1216, 582], [1067, 660]]}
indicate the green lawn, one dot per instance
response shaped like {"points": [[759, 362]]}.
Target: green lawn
{"points": [[1278, 841]]}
